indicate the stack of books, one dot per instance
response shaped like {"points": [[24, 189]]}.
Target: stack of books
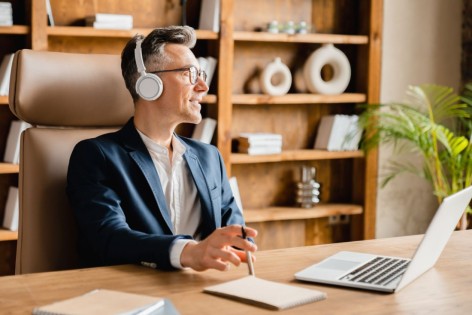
{"points": [[338, 133], [6, 14], [110, 21], [260, 143], [5, 70]]}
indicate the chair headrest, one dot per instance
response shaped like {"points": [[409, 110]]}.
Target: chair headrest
{"points": [[66, 89]]}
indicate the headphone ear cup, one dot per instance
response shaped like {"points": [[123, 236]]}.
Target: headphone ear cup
{"points": [[149, 86]]}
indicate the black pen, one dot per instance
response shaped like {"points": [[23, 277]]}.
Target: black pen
{"points": [[248, 255]]}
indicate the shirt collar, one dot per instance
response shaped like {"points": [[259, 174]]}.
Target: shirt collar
{"points": [[177, 146]]}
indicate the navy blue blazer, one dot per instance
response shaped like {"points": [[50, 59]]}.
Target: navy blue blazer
{"points": [[119, 204]]}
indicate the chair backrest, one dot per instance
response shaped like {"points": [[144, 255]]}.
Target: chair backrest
{"points": [[66, 97]]}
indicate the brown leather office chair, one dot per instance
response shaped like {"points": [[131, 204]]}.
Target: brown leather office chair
{"points": [[66, 97]]}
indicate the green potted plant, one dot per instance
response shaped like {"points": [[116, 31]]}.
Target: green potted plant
{"points": [[435, 123]]}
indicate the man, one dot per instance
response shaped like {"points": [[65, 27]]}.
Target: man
{"points": [[145, 195]]}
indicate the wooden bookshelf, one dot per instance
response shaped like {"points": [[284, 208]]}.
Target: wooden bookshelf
{"points": [[15, 30], [7, 235], [84, 31], [294, 155], [8, 168], [289, 99], [291, 213], [301, 38], [349, 179], [3, 100]]}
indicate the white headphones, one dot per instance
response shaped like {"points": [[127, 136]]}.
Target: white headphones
{"points": [[148, 86]]}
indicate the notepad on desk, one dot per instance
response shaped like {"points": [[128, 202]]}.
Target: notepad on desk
{"points": [[268, 294], [104, 302]]}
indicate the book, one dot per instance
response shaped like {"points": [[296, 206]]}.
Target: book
{"points": [[49, 13], [5, 73], [264, 293], [204, 130], [12, 210], [208, 64], [210, 15], [103, 302], [335, 133], [261, 150], [233, 182], [110, 21], [6, 14], [259, 143], [353, 134], [12, 149]]}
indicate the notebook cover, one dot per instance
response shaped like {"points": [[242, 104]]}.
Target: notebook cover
{"points": [[268, 294]]}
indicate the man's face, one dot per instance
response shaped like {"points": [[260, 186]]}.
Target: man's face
{"points": [[181, 99]]}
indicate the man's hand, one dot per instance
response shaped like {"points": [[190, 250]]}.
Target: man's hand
{"points": [[216, 251]]}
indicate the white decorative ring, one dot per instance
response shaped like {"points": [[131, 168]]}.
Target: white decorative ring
{"points": [[279, 69], [327, 55]]}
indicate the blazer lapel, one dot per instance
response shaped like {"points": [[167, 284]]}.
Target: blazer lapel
{"points": [[142, 158], [210, 215]]}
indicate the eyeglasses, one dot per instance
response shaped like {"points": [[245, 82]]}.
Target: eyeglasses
{"points": [[194, 73]]}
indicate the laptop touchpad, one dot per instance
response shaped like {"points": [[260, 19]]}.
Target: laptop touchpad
{"points": [[338, 264]]}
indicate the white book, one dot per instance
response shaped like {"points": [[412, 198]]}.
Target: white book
{"points": [[353, 134], [5, 5], [261, 150], [332, 132], [249, 143], [12, 149], [49, 13], [208, 64], [111, 18], [251, 136], [210, 15], [233, 182], [6, 23], [12, 210], [5, 73], [113, 25], [204, 130]]}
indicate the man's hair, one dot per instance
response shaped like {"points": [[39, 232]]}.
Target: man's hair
{"points": [[152, 48]]}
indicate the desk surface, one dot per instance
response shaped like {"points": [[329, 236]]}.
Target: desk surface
{"points": [[445, 289]]}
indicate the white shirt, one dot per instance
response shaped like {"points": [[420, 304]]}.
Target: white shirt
{"points": [[180, 192]]}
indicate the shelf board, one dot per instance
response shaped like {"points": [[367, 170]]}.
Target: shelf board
{"points": [[301, 38], [7, 235], [3, 100], [209, 99], [15, 30], [292, 213], [294, 155], [86, 31], [8, 168], [263, 99]]}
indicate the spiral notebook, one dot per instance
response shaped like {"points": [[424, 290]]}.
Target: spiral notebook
{"points": [[268, 294]]}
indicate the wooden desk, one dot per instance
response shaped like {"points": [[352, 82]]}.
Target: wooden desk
{"points": [[445, 289]]}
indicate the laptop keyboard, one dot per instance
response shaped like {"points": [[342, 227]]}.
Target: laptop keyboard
{"points": [[379, 271]]}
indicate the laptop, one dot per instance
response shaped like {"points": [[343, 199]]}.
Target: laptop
{"points": [[391, 274]]}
